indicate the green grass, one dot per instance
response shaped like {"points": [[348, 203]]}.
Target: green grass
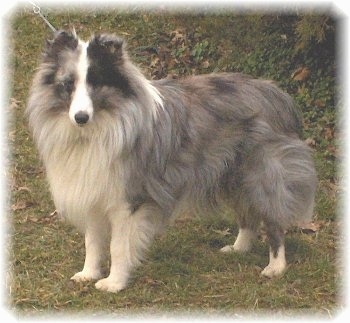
{"points": [[184, 272]]}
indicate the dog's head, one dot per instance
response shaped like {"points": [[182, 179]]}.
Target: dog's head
{"points": [[84, 75]]}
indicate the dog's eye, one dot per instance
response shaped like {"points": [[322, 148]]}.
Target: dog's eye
{"points": [[67, 86]]}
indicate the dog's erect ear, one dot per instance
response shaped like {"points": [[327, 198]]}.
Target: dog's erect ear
{"points": [[62, 40], [106, 46]]}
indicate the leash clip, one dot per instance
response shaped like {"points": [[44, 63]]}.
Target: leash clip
{"points": [[37, 11]]}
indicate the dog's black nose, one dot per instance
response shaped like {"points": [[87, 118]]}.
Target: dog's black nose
{"points": [[81, 117]]}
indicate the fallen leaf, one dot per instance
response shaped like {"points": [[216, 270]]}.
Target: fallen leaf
{"points": [[154, 62], [319, 103], [14, 103], [177, 36], [205, 64], [12, 135], [333, 151], [226, 232], [23, 188], [163, 53], [301, 74], [20, 205], [311, 227], [54, 213], [33, 219], [310, 142], [284, 36], [328, 133], [52, 217]]}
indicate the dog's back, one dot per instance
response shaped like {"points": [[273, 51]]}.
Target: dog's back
{"points": [[234, 97], [211, 125]]}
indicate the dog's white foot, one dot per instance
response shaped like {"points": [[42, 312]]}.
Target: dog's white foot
{"points": [[243, 242], [277, 265], [228, 248], [85, 275], [111, 285], [274, 271]]}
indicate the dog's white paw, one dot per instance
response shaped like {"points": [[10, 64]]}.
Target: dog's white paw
{"points": [[277, 264], [243, 242], [110, 285], [228, 248], [84, 276], [233, 248], [273, 271], [237, 247]]}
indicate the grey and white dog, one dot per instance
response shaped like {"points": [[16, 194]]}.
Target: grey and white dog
{"points": [[124, 154]]}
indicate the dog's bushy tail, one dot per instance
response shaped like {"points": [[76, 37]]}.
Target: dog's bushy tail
{"points": [[280, 182]]}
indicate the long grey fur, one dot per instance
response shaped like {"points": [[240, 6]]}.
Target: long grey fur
{"points": [[152, 148]]}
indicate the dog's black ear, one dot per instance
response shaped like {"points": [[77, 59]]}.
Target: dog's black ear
{"points": [[62, 40], [106, 46]]}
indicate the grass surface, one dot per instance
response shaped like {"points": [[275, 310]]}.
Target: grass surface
{"points": [[184, 271]]}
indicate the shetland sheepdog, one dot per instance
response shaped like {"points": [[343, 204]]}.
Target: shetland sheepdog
{"points": [[124, 155]]}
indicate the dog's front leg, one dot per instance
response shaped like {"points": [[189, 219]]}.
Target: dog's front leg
{"points": [[131, 235], [96, 237]]}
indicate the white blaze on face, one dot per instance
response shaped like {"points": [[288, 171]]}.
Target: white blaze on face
{"points": [[81, 109]]}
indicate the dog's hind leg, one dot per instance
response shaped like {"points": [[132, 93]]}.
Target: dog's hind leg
{"points": [[248, 225], [277, 262], [243, 241], [281, 183]]}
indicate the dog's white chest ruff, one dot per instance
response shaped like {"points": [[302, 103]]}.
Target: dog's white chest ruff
{"points": [[83, 182]]}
